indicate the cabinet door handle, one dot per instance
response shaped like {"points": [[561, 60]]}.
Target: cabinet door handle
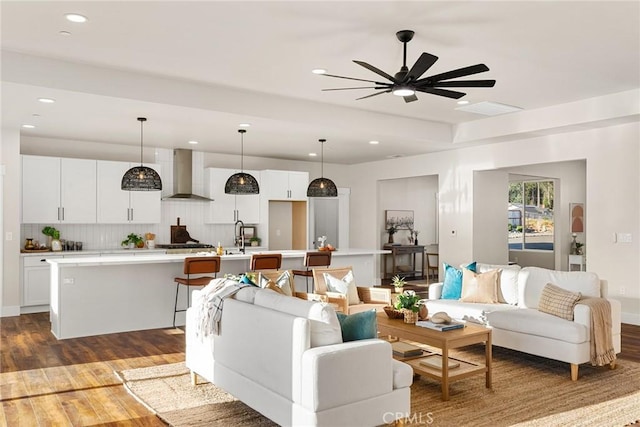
{"points": [[131, 209]]}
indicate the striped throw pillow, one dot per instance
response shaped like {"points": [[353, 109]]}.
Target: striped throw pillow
{"points": [[557, 301]]}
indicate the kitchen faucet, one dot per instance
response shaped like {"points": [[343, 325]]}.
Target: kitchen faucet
{"points": [[239, 236]]}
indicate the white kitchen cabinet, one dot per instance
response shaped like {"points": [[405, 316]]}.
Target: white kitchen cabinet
{"points": [[228, 208], [35, 281], [58, 190], [284, 185], [117, 206]]}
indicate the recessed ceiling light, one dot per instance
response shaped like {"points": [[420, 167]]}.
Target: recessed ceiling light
{"points": [[319, 71], [244, 125], [36, 115], [29, 126], [76, 17], [64, 33], [46, 100], [463, 102], [192, 142], [374, 142], [312, 154]]}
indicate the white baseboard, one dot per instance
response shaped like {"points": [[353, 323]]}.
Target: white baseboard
{"points": [[630, 318], [10, 311], [34, 309]]}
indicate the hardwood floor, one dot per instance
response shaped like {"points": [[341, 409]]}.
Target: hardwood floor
{"points": [[71, 382]]}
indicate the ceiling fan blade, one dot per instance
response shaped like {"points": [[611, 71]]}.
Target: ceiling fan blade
{"points": [[360, 87], [375, 70], [441, 92], [460, 72], [467, 83], [375, 94], [423, 63], [353, 78], [410, 98]]}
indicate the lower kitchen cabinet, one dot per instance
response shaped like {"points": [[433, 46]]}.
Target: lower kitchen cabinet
{"points": [[35, 281]]}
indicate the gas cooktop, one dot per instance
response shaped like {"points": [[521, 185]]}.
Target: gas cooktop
{"points": [[184, 246]]}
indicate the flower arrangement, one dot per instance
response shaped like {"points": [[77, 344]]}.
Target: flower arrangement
{"points": [[408, 300]]}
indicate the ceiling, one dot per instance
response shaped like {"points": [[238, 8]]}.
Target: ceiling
{"points": [[198, 69]]}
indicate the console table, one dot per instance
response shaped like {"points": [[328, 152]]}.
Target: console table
{"points": [[401, 250]]}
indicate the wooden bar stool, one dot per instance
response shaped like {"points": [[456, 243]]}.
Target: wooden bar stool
{"points": [[195, 265], [265, 262], [311, 260]]}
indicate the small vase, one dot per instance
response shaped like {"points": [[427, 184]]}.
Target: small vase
{"points": [[398, 290], [56, 245], [390, 238], [423, 312], [410, 316]]}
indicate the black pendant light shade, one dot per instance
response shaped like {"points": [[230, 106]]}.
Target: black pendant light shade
{"points": [[322, 187], [241, 182], [141, 178]]}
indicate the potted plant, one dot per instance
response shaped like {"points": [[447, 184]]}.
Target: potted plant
{"points": [[409, 303], [133, 240], [391, 230], [52, 234], [398, 283], [255, 241]]}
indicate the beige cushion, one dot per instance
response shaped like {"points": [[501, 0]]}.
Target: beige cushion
{"points": [[345, 285], [557, 301], [480, 287]]}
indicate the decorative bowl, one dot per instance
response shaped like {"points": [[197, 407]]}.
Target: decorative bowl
{"points": [[392, 313]]}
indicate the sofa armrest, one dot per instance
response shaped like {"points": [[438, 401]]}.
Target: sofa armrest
{"points": [[374, 295], [582, 315], [339, 374], [435, 290]]}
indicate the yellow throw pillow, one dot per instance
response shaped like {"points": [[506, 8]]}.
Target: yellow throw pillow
{"points": [[557, 301], [480, 287]]}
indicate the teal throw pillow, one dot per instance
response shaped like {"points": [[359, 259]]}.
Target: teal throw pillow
{"points": [[358, 326], [452, 285]]}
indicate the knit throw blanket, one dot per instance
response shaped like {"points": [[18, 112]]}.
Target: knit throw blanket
{"points": [[210, 304], [602, 351]]}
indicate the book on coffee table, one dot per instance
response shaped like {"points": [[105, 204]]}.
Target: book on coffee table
{"points": [[435, 362], [440, 326], [404, 349]]}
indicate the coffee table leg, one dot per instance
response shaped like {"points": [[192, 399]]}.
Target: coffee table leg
{"points": [[488, 360], [445, 373]]}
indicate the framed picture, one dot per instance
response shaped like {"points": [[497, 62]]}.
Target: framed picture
{"points": [[576, 212], [402, 220]]}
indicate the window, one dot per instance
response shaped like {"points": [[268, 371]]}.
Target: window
{"points": [[530, 215]]}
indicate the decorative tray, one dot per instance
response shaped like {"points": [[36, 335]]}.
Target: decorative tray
{"points": [[26, 251]]}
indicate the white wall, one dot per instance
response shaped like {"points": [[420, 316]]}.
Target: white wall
{"points": [[612, 197], [490, 199], [11, 222]]}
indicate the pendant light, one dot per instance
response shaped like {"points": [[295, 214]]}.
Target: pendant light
{"points": [[141, 178], [322, 187], [241, 182]]}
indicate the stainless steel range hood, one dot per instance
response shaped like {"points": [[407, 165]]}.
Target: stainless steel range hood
{"points": [[182, 177]]}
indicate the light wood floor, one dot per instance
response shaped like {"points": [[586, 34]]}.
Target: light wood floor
{"points": [[46, 382]]}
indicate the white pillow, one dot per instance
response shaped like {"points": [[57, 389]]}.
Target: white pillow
{"points": [[508, 287], [345, 286], [284, 282]]}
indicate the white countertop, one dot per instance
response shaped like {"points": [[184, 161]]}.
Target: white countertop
{"points": [[153, 257]]}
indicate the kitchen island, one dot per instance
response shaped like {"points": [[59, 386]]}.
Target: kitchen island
{"points": [[94, 295]]}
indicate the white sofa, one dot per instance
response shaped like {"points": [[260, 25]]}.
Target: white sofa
{"points": [[516, 322], [284, 357]]}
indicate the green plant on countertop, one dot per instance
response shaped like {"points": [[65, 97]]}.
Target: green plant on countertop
{"points": [[408, 300], [52, 232], [398, 282], [255, 240], [134, 238]]}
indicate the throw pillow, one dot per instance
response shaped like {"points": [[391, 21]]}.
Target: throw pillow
{"points": [[271, 285], [480, 287], [345, 286], [452, 286], [557, 301], [283, 281], [358, 326]]}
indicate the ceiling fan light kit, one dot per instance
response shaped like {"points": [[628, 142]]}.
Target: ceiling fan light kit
{"points": [[322, 187], [141, 178], [241, 182], [407, 82]]}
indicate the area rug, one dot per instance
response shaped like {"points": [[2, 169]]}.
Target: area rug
{"points": [[527, 391]]}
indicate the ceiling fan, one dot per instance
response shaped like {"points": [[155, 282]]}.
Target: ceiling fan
{"points": [[407, 82]]}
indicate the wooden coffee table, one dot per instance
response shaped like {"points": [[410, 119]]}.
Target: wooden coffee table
{"points": [[470, 334]]}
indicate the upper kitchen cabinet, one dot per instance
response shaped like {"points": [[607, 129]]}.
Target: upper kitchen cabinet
{"points": [[56, 190], [229, 208], [284, 185], [117, 206]]}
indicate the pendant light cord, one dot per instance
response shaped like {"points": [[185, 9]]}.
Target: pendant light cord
{"points": [[242, 132], [141, 120], [322, 141]]}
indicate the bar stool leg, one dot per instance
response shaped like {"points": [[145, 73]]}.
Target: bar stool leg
{"points": [[175, 305]]}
